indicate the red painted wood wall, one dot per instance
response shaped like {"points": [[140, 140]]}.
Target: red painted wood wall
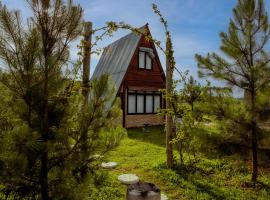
{"points": [[142, 77]]}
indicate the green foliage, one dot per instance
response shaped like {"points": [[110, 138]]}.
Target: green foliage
{"points": [[41, 108], [244, 44], [263, 104], [104, 187], [186, 138], [106, 192], [20, 146], [15, 136], [192, 91], [210, 178], [112, 137], [104, 131], [228, 123], [244, 63], [187, 116]]}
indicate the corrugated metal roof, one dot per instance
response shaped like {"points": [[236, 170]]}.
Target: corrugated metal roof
{"points": [[116, 57]]}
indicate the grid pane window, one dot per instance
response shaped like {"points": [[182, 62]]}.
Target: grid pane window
{"points": [[156, 103], [131, 104], [140, 103], [149, 104]]}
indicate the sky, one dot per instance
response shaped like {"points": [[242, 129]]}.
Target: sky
{"points": [[194, 24]]}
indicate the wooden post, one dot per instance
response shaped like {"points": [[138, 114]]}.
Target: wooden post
{"points": [[85, 88], [169, 123]]}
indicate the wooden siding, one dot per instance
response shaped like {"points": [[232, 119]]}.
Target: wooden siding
{"points": [[142, 80], [154, 78]]}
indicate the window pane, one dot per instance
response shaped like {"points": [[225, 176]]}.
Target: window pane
{"points": [[131, 104], [149, 104], [140, 104], [156, 103], [141, 59], [148, 62]]}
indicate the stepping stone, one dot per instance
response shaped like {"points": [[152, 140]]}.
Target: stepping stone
{"points": [[95, 156], [128, 179], [164, 197], [108, 165]]}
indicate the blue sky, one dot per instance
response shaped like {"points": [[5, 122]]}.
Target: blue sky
{"points": [[195, 24]]}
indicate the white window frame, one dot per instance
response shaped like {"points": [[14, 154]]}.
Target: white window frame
{"points": [[146, 95]]}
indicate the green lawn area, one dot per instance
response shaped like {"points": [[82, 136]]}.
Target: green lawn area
{"points": [[144, 154]]}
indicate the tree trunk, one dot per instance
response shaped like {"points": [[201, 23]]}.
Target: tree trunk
{"points": [[253, 115], [45, 131], [29, 115], [44, 176], [254, 140], [254, 155], [86, 61], [85, 89], [169, 122]]}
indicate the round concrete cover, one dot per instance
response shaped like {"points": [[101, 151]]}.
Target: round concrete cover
{"points": [[128, 179], [109, 165]]}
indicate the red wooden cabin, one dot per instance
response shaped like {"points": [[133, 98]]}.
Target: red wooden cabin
{"points": [[134, 65]]}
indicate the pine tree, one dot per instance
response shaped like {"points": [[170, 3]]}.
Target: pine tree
{"points": [[246, 61], [58, 24], [41, 127], [191, 92]]}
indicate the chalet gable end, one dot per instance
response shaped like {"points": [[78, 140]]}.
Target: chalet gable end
{"points": [[133, 64]]}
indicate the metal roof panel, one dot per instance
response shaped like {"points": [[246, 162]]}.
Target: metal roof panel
{"points": [[116, 57]]}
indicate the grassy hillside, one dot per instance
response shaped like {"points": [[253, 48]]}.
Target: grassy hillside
{"points": [[144, 154]]}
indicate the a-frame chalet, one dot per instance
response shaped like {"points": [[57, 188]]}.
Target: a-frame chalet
{"points": [[134, 66]]}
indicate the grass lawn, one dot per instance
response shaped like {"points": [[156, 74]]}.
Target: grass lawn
{"points": [[144, 154]]}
